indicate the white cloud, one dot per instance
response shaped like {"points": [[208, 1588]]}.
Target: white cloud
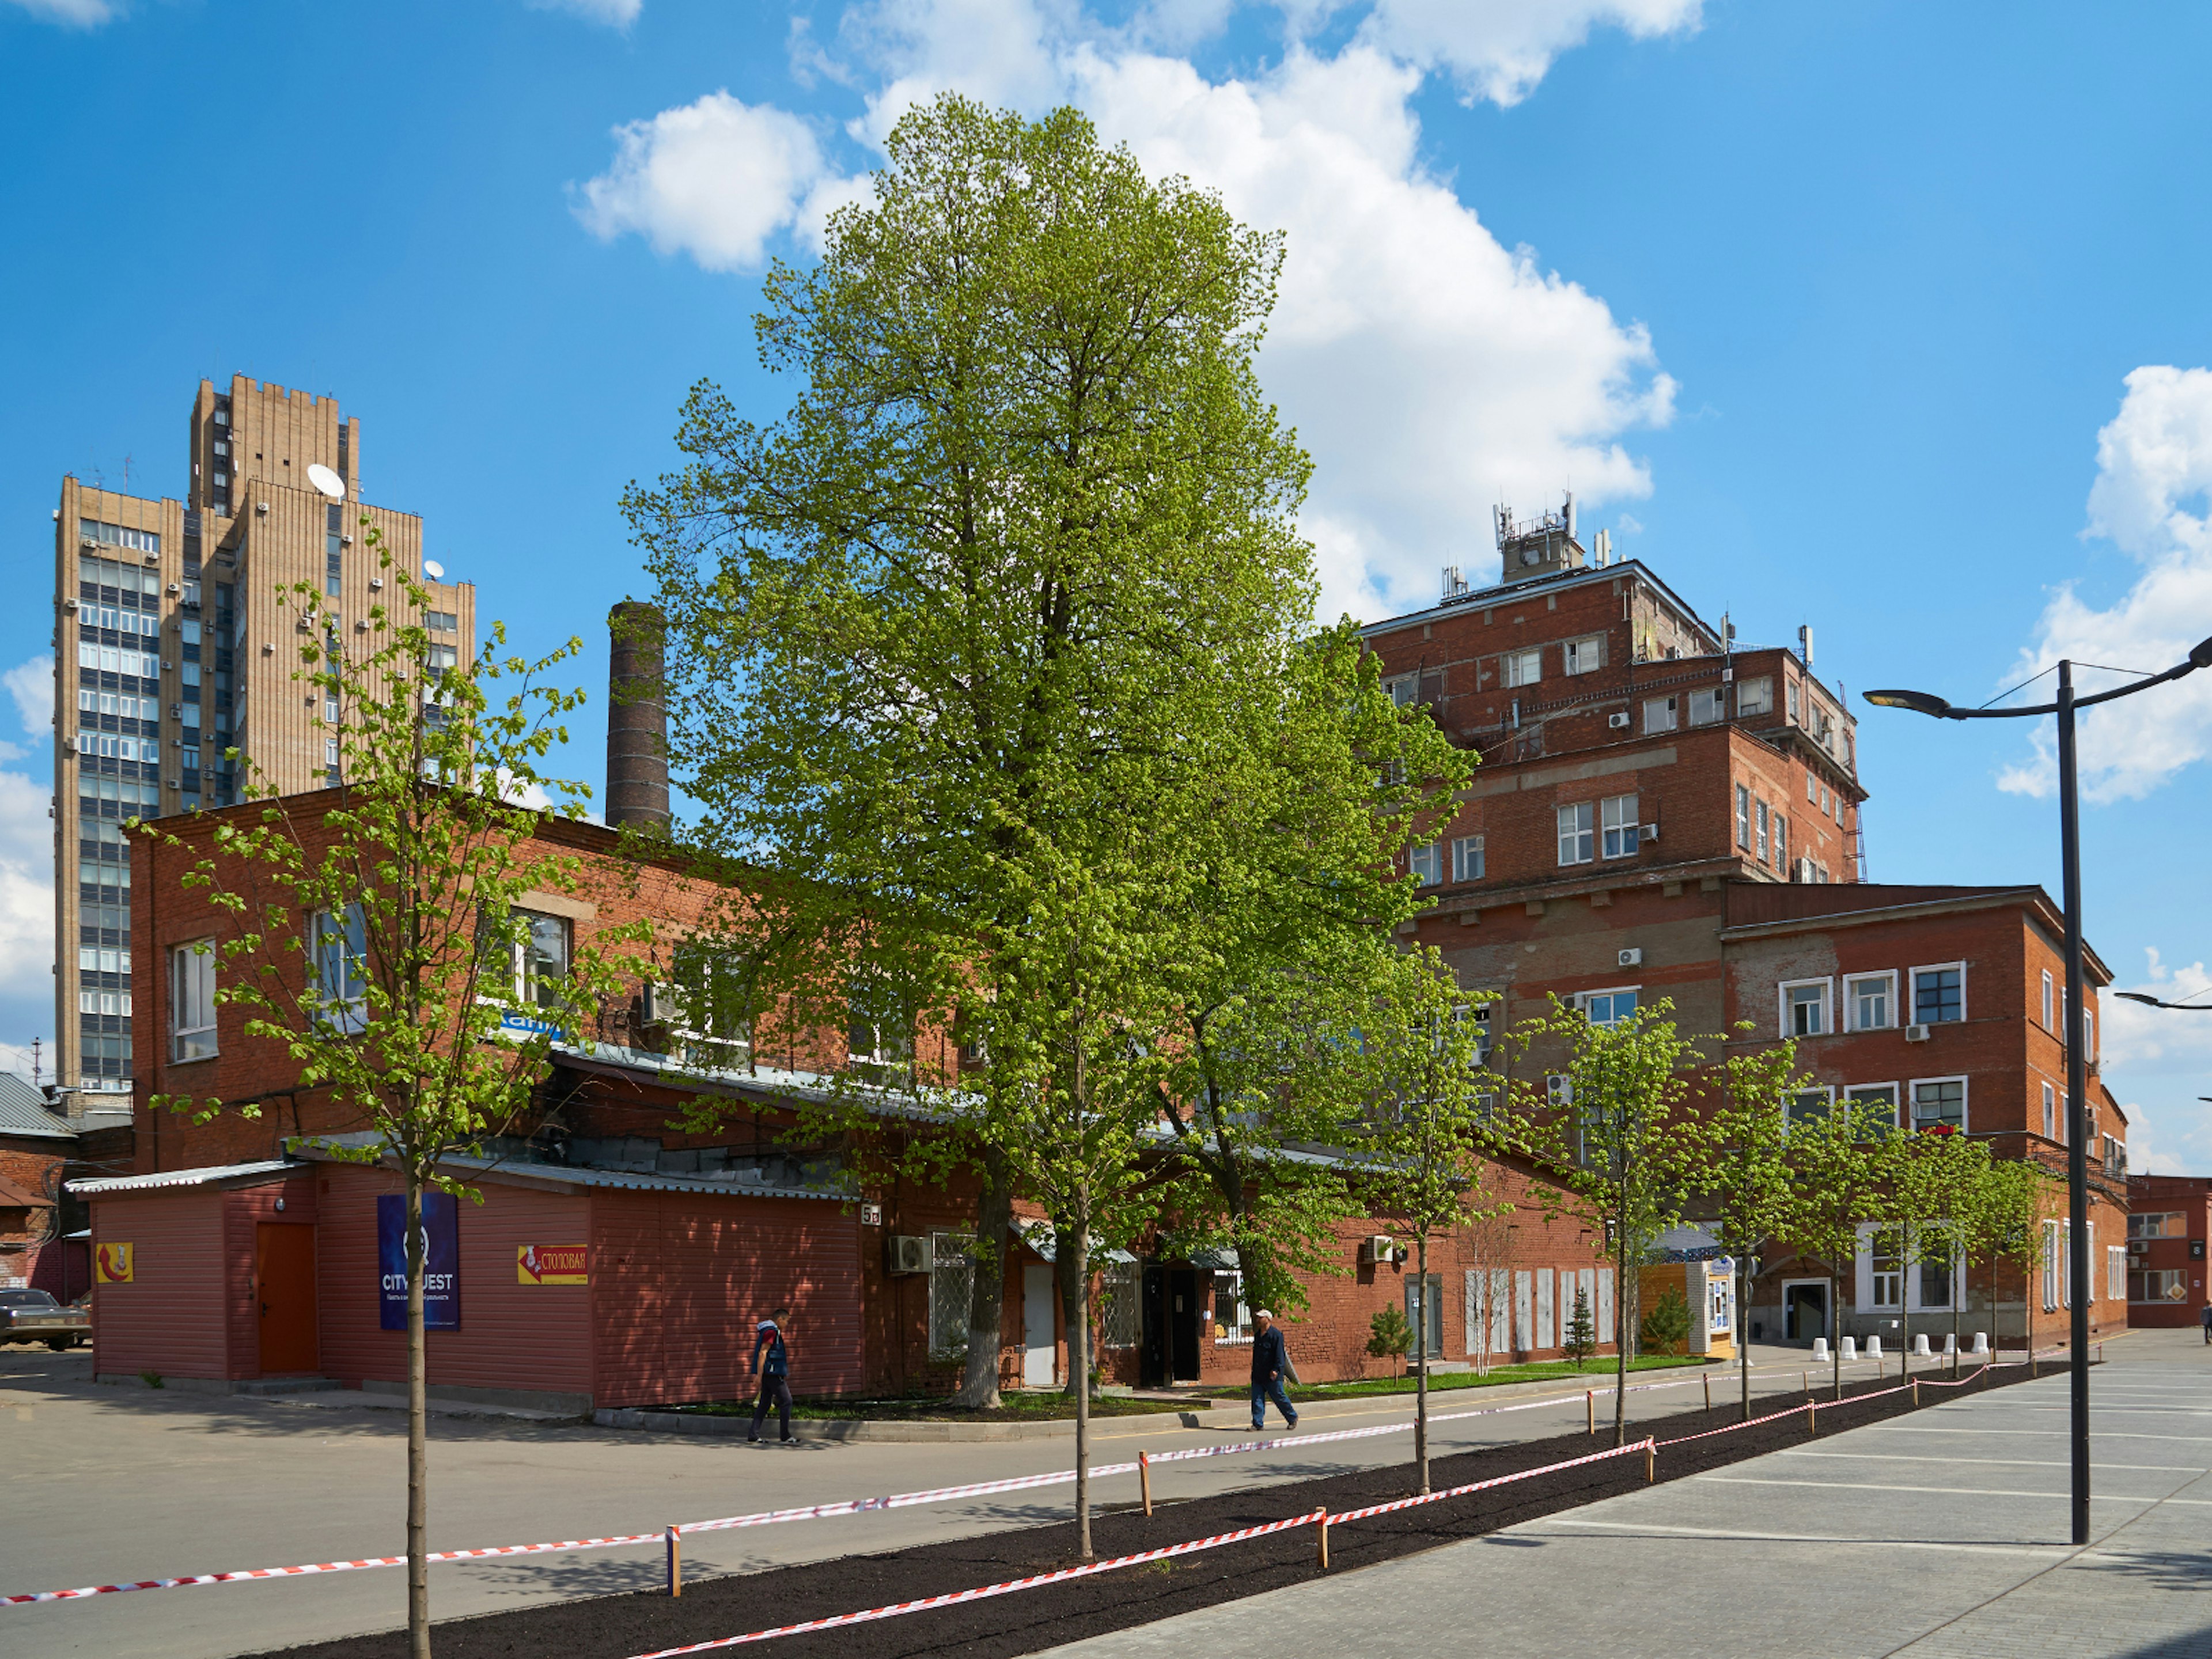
{"points": [[617, 14], [74, 13], [1430, 371], [1501, 48], [32, 685], [27, 892], [716, 179], [2154, 466], [2169, 1051]]}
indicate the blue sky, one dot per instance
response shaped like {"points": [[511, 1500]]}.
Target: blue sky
{"points": [[1886, 319]]}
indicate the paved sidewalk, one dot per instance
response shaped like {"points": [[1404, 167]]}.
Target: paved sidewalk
{"points": [[1943, 1536]]}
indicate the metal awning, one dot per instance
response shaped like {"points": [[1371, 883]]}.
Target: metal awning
{"points": [[1038, 1236]]}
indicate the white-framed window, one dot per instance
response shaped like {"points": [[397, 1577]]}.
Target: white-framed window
{"points": [[1939, 1102], [1805, 1008], [1584, 656], [538, 959], [1232, 1320], [1578, 833], [2090, 1035], [712, 1004], [1617, 820], [1827, 808], [192, 1000], [2065, 1118], [1879, 1098], [337, 953], [2159, 1224], [2054, 1265], [1467, 858], [878, 1026], [1811, 792], [1780, 840], [1426, 863], [1743, 818], [1870, 1001], [1522, 667], [1810, 1105], [951, 1282], [1478, 1014], [1659, 713], [1758, 819], [1939, 993], [1708, 707], [2050, 1113], [1755, 696], [1887, 1265], [2047, 1025], [1937, 1276], [2158, 1284], [1608, 1007], [1403, 690]]}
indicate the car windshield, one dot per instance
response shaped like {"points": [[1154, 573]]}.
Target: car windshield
{"points": [[27, 1299]]}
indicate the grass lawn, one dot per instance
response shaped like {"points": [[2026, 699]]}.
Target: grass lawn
{"points": [[1023, 1406], [1544, 1371]]}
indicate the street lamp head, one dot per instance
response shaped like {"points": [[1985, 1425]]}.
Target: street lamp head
{"points": [[2202, 656], [2138, 996], [1920, 702]]}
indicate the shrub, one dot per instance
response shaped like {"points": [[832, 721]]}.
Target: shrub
{"points": [[1581, 1340], [1389, 1335], [1666, 1328]]}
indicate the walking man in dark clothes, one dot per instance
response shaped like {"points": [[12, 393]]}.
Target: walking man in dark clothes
{"points": [[2205, 1318], [772, 1364], [1270, 1360]]}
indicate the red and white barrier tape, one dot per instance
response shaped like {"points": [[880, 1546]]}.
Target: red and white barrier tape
{"points": [[956, 1597], [1480, 1486]]}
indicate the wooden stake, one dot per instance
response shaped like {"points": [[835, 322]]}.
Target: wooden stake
{"points": [[1321, 1557], [1709, 1391], [1915, 1391], [1145, 1478], [1589, 1407], [675, 1560], [1812, 1417], [1650, 1463]]}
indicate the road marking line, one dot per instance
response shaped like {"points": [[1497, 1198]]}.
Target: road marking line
{"points": [[1942, 1491], [1796, 1537], [2009, 1462]]}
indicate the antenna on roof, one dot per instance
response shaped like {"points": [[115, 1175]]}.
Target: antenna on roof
{"points": [[1805, 644], [1603, 548], [1567, 513]]}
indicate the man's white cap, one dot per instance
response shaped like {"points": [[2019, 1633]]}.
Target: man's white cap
{"points": [[1261, 1313]]}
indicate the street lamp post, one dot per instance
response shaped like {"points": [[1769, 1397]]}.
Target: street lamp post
{"points": [[2077, 1060]]}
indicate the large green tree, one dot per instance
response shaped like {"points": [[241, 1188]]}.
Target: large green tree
{"points": [[968, 643], [1746, 1174]]}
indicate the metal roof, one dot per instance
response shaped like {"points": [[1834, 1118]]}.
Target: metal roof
{"points": [[335, 1149], [24, 1111], [261, 1169]]}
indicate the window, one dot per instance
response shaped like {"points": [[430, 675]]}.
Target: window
{"points": [[1939, 995], [338, 956], [711, 1003], [1940, 1104], [1811, 794], [1805, 1009], [1742, 816], [2051, 1116], [1888, 1272], [1584, 656], [2054, 1272], [2162, 1224], [1577, 833], [1706, 707], [1521, 667], [1120, 1309], [1759, 818], [1425, 1300], [1827, 808], [1755, 696], [1867, 999], [1659, 713], [2116, 1156], [442, 658], [1467, 858], [2158, 1285], [2116, 1270], [878, 1029], [537, 951], [1480, 1013], [2090, 1035], [1607, 1007], [1792, 685], [1232, 1320], [1781, 840], [1936, 1279], [192, 1000], [2047, 1025], [2065, 1126], [1617, 816], [1426, 865], [1877, 1098], [1403, 690], [1810, 1105], [442, 622], [952, 1280], [333, 556]]}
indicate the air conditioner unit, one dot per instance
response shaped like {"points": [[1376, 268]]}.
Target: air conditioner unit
{"points": [[68, 604], [345, 541], [1379, 1249], [261, 507], [376, 581], [1647, 832], [910, 1255], [90, 543], [1632, 956], [1618, 722], [1916, 1034]]}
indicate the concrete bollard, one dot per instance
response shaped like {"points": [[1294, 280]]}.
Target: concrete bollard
{"points": [[1950, 1342], [1981, 1342], [1873, 1348], [1820, 1349], [1920, 1349], [1850, 1348]]}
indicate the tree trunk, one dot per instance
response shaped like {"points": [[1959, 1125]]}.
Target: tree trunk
{"points": [[1073, 1313], [1421, 1356], [1904, 1302], [987, 1295], [1620, 1332], [1836, 1329], [1743, 1332], [1076, 1250], [418, 1451]]}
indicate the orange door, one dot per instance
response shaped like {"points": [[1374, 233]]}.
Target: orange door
{"points": [[284, 1281]]}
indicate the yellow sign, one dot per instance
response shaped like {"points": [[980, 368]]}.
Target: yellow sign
{"points": [[552, 1264], [114, 1264]]}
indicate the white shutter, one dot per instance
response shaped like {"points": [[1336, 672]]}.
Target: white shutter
{"points": [[1501, 1308], [1863, 1272], [1586, 1281], [1605, 1304], [1473, 1308], [1524, 1311], [1547, 1327]]}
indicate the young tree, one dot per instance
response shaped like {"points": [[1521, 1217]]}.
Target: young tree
{"points": [[1012, 581], [1934, 1174], [1618, 1122], [377, 942], [2005, 1221], [1746, 1173], [1581, 1336], [1841, 1161], [1389, 1335], [1429, 1118]]}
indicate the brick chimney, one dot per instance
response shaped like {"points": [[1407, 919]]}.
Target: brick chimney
{"points": [[637, 717]]}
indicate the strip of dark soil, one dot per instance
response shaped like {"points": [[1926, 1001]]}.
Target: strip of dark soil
{"points": [[615, 1626]]}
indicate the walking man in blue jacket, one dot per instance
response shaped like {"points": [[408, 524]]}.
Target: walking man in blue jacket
{"points": [[1271, 1361], [774, 1373]]}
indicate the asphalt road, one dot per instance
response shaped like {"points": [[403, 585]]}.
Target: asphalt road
{"points": [[104, 1484]]}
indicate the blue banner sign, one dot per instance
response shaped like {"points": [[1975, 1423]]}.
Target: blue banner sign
{"points": [[441, 1261]]}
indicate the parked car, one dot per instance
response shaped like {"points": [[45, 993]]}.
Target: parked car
{"points": [[35, 1316]]}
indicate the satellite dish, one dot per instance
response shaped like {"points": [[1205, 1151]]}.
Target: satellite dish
{"points": [[434, 570], [326, 481]]}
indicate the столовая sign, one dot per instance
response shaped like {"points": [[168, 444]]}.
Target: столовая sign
{"points": [[552, 1264]]}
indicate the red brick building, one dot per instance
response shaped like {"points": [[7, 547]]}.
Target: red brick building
{"points": [[2169, 1223], [1662, 813]]}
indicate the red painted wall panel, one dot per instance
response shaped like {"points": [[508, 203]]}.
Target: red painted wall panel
{"points": [[244, 1209], [679, 1281], [171, 1317], [512, 1335]]}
